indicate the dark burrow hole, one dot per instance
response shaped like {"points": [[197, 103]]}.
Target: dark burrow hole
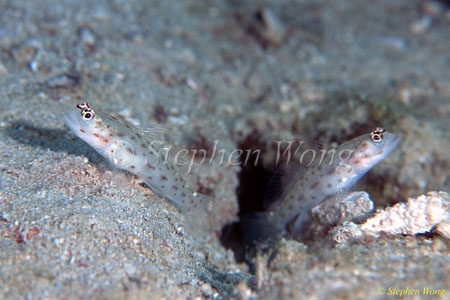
{"points": [[253, 182]]}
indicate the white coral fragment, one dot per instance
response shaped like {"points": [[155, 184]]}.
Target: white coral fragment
{"points": [[417, 215], [443, 229]]}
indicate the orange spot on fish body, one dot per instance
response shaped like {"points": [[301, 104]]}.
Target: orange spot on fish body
{"points": [[315, 185]]}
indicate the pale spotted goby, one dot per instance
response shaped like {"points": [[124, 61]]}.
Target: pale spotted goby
{"points": [[331, 176], [144, 155]]}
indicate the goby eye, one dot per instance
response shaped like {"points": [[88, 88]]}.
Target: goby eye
{"points": [[87, 114], [377, 134]]}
